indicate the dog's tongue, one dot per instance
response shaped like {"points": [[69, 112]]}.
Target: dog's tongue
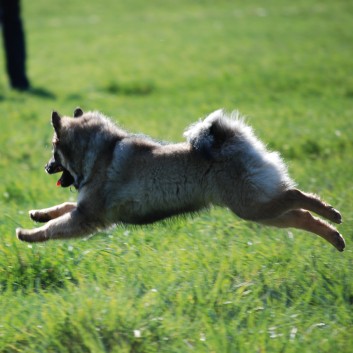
{"points": [[59, 182], [65, 180]]}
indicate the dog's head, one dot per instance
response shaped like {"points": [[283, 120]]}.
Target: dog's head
{"points": [[61, 160], [82, 146]]}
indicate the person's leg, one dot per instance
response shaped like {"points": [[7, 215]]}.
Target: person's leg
{"points": [[14, 43]]}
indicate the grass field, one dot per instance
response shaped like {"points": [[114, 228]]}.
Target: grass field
{"points": [[211, 283]]}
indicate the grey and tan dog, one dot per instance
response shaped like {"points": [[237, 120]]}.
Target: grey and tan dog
{"points": [[132, 179]]}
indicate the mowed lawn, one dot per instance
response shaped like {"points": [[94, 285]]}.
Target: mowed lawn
{"points": [[207, 283]]}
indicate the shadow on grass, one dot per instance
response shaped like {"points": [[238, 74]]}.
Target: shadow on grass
{"points": [[37, 92], [129, 88], [41, 93]]}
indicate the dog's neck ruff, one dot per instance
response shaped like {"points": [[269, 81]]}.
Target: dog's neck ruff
{"points": [[79, 182]]}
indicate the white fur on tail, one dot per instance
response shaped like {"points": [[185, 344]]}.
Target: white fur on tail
{"points": [[265, 169]]}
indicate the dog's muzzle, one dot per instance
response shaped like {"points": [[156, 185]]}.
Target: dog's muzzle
{"points": [[66, 178], [53, 167]]}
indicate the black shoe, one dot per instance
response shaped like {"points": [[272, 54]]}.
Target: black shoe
{"points": [[21, 85]]}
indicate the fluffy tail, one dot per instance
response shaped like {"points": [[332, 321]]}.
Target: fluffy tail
{"points": [[210, 134], [229, 136]]}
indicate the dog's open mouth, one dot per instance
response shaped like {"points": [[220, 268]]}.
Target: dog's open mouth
{"points": [[66, 179]]}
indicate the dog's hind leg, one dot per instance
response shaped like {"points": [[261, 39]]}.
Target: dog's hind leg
{"points": [[302, 219], [292, 199], [47, 214], [311, 202]]}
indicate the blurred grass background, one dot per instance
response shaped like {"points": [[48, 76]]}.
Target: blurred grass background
{"points": [[210, 283]]}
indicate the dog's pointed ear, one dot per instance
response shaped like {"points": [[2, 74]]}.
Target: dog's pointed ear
{"points": [[56, 121], [78, 112]]}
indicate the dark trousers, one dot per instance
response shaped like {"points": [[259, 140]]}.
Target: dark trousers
{"points": [[14, 43]]}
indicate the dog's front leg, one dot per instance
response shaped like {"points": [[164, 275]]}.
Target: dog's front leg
{"points": [[73, 224], [50, 213]]}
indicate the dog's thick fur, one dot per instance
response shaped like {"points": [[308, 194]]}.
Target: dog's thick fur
{"points": [[132, 179]]}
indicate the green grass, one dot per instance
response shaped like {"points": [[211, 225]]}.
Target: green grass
{"points": [[211, 283]]}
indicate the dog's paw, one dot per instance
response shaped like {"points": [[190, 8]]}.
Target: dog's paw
{"points": [[21, 234], [338, 242], [31, 236], [39, 216], [334, 215]]}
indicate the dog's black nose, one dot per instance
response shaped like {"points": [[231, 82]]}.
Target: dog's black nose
{"points": [[47, 168], [53, 167]]}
